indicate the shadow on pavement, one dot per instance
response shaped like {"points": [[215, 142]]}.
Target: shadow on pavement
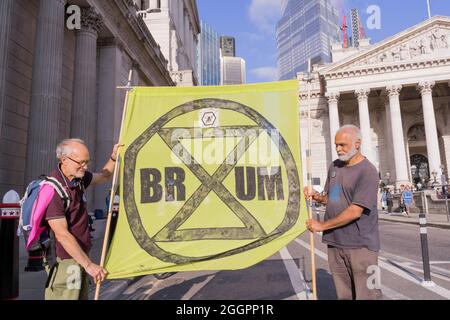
{"points": [[325, 285], [261, 282]]}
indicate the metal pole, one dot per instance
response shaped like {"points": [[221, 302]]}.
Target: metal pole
{"points": [[424, 244], [446, 202], [309, 176], [429, 9], [128, 88]]}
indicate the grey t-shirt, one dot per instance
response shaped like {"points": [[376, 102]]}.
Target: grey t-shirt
{"points": [[346, 185]]}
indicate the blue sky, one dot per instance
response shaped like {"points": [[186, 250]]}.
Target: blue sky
{"points": [[252, 23]]}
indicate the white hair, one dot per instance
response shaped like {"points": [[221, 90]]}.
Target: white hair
{"points": [[355, 131], [65, 148]]}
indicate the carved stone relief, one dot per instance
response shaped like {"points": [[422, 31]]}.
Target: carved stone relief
{"points": [[417, 133], [436, 40]]}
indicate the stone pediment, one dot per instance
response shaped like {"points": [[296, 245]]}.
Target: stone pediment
{"points": [[429, 40]]}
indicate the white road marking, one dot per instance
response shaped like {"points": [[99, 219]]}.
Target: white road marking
{"points": [[112, 289], [316, 251], [433, 264], [405, 275], [138, 284], [296, 277], [433, 274], [396, 256], [392, 294], [197, 287], [439, 270]]}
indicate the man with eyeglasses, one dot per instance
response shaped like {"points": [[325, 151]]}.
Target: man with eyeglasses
{"points": [[68, 279]]}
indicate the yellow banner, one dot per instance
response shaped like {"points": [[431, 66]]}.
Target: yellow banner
{"points": [[209, 178]]}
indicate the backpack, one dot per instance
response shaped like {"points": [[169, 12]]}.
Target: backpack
{"points": [[33, 206]]}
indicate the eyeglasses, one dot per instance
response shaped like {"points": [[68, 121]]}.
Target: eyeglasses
{"points": [[81, 163]]}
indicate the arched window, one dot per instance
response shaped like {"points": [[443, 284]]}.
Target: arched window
{"points": [[419, 168]]}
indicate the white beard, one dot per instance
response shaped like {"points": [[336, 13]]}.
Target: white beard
{"points": [[347, 156]]}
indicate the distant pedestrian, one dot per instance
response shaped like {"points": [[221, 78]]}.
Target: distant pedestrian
{"points": [[407, 200], [383, 200], [389, 200]]}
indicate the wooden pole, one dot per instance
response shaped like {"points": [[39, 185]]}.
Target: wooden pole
{"points": [[309, 176], [113, 188]]}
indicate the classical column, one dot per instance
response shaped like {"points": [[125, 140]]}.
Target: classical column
{"points": [[84, 120], [46, 89], [5, 24], [153, 4], [164, 5], [191, 46], [398, 142], [388, 149], [186, 39], [364, 123], [333, 111], [110, 106], [434, 158]]}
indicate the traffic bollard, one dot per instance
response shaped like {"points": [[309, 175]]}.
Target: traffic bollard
{"points": [[9, 246], [427, 282]]}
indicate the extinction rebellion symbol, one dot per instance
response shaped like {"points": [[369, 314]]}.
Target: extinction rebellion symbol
{"points": [[152, 187]]}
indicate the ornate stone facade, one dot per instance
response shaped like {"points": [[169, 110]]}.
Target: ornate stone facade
{"points": [[397, 92], [57, 83], [175, 25]]}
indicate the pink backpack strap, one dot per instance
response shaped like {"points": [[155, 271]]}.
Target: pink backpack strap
{"points": [[39, 209]]}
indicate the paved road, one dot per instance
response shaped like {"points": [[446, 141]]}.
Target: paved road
{"points": [[286, 275]]}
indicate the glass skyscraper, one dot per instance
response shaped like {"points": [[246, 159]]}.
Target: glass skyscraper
{"points": [[306, 30], [209, 56]]}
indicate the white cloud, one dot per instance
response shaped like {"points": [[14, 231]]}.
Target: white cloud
{"points": [[265, 73], [264, 14]]}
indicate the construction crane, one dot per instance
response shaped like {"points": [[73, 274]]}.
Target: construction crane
{"points": [[344, 28]]}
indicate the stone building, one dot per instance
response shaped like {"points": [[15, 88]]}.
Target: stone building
{"points": [[175, 25], [398, 92], [57, 83]]}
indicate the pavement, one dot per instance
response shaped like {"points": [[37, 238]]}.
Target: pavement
{"points": [[441, 221], [31, 284], [433, 220]]}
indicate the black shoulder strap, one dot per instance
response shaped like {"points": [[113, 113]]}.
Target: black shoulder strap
{"points": [[59, 189]]}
